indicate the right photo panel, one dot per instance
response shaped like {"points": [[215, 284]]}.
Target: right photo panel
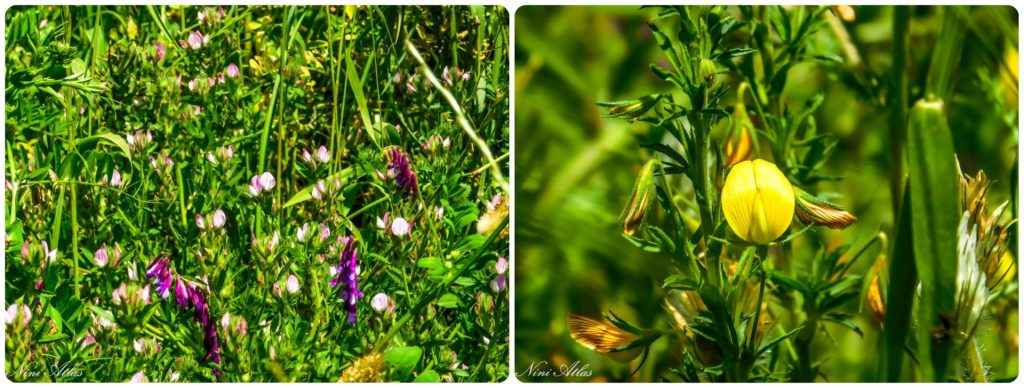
{"points": [[766, 194]]}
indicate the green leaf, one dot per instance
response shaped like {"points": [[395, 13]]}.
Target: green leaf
{"points": [[402, 361], [428, 377], [934, 217], [108, 138], [435, 267], [449, 301], [306, 193]]}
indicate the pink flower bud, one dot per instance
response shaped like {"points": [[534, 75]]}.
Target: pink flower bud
{"points": [[200, 221], [100, 258], [292, 284], [399, 227], [267, 181], [323, 154]]}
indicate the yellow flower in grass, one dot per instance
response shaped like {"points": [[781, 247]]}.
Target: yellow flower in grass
{"points": [[758, 201]]}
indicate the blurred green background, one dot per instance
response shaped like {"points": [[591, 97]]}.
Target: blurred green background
{"points": [[575, 168]]}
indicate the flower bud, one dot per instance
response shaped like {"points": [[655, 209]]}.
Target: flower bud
{"points": [[708, 72], [758, 201], [812, 210], [639, 202]]}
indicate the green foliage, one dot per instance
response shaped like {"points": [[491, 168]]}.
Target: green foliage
{"points": [[135, 131], [814, 91]]}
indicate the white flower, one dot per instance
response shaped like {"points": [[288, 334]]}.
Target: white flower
{"points": [[200, 221], [379, 302], [267, 181], [292, 285], [399, 227], [303, 231], [139, 377], [219, 218]]}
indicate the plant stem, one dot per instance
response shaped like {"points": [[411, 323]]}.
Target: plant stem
{"points": [[975, 366], [898, 103]]}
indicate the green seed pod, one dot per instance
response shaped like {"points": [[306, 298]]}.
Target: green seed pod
{"points": [[640, 200], [630, 109]]}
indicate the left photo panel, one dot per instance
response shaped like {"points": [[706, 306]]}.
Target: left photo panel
{"points": [[256, 194]]}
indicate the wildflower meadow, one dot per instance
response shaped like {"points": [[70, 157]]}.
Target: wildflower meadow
{"points": [[767, 193], [290, 194]]}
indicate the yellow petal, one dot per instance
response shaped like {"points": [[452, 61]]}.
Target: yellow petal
{"points": [[758, 201]]}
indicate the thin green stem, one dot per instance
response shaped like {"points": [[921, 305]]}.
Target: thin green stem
{"points": [[898, 103]]}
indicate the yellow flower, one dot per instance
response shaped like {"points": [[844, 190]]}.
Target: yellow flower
{"points": [[602, 338], [758, 201]]}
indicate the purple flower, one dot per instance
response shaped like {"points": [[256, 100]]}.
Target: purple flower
{"points": [[499, 284], [348, 279], [161, 50], [232, 71], [398, 167], [182, 293], [195, 40], [160, 269]]}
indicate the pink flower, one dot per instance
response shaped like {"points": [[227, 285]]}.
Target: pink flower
{"points": [[499, 284], [115, 178], [196, 40], [323, 154], [302, 232], [161, 50], [255, 188], [501, 266], [232, 71], [100, 258], [15, 310], [399, 227], [219, 219], [325, 233], [200, 221], [306, 157], [139, 377]]}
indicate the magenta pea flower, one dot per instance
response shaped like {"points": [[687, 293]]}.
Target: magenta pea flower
{"points": [[100, 258], [348, 279], [398, 167], [160, 269], [400, 227], [182, 293]]}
